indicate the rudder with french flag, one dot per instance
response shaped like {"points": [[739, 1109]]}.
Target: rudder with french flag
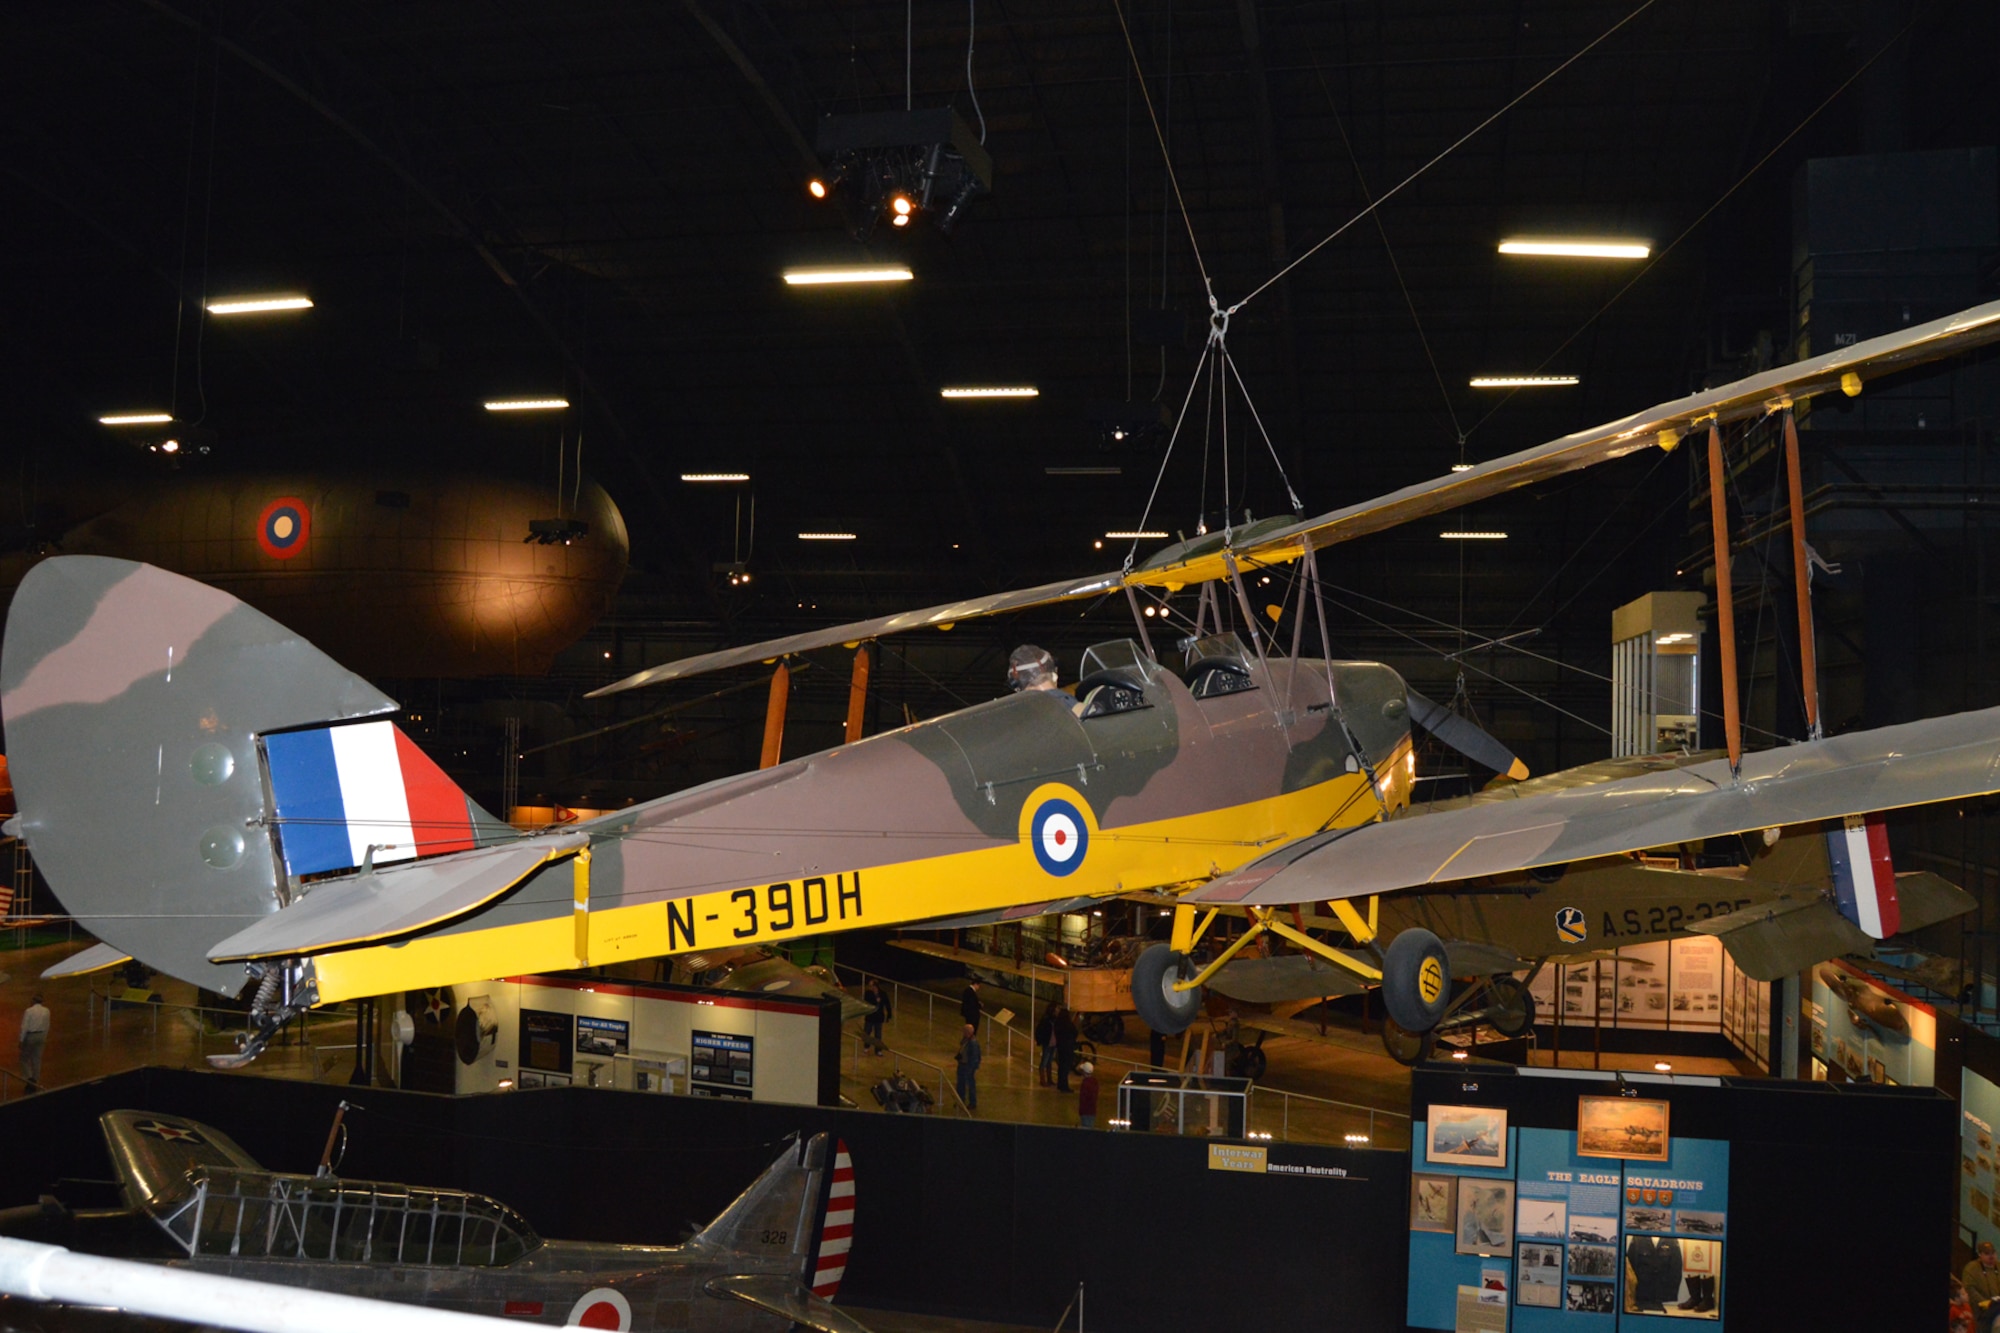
{"points": [[1864, 880]]}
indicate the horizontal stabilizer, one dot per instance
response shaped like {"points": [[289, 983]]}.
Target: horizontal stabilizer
{"points": [[1782, 939], [1296, 976], [1928, 899], [787, 1299], [382, 904], [991, 962], [94, 959], [1915, 763]]}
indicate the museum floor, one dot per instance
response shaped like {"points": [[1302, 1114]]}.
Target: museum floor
{"points": [[1314, 1090]]}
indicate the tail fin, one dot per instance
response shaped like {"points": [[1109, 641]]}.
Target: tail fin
{"points": [[138, 705], [803, 1205], [1864, 880]]}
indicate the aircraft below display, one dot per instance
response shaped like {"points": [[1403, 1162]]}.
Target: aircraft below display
{"points": [[208, 792], [195, 1200]]}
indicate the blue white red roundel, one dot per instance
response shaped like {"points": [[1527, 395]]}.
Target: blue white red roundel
{"points": [[283, 526], [1059, 836]]}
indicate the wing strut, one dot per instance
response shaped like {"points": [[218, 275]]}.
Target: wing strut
{"points": [[1725, 597], [1802, 581]]}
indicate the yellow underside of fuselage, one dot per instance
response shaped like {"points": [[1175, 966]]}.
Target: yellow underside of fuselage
{"points": [[1188, 848]]}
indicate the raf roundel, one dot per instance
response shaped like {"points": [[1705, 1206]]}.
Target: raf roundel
{"points": [[1059, 836], [283, 527]]}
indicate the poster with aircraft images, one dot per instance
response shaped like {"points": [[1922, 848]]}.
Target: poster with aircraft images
{"points": [[1978, 1119], [1673, 985], [1868, 1032], [1746, 1018]]}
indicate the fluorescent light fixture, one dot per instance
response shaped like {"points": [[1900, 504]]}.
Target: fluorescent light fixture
{"points": [[990, 391], [526, 404], [1523, 381], [258, 305], [715, 476], [1083, 471], [1574, 247], [1135, 536], [1474, 536], [1461, 467], [846, 273], [826, 536], [137, 419]]}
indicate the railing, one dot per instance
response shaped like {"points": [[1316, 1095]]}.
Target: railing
{"points": [[1319, 1119]]}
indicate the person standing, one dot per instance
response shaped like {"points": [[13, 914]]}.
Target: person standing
{"points": [[35, 1038], [1065, 1035], [871, 1026], [1086, 1096], [968, 1068], [1045, 1044], [1982, 1282], [968, 1003]]}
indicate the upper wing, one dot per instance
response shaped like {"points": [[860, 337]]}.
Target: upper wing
{"points": [[1275, 541], [1939, 759]]}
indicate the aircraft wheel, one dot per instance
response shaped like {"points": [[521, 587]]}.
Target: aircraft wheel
{"points": [[1416, 980], [1161, 1007], [1406, 1047], [1252, 1063], [1511, 1009]]}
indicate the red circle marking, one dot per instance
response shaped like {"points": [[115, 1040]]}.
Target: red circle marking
{"points": [[1061, 837], [601, 1314]]}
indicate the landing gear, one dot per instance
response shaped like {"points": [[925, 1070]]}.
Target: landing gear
{"points": [[1416, 980], [1509, 1006], [1159, 1006], [282, 995], [1248, 1061], [1406, 1047]]}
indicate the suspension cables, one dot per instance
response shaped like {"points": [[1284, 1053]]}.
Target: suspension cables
{"points": [[1159, 135], [1456, 144]]}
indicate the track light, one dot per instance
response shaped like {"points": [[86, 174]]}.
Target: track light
{"points": [[900, 220], [900, 205], [816, 188]]}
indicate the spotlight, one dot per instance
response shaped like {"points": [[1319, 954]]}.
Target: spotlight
{"points": [[902, 205], [170, 446], [894, 164], [900, 220], [816, 188]]}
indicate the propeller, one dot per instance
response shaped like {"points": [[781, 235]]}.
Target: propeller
{"points": [[1464, 736]]}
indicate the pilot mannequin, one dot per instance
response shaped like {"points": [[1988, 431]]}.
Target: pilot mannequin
{"points": [[1030, 668]]}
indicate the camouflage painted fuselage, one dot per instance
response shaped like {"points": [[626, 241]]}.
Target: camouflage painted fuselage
{"points": [[956, 815]]}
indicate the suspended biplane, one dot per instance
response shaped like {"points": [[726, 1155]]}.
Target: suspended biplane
{"points": [[208, 792]]}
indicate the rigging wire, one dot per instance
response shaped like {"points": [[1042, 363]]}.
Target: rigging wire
{"points": [[1237, 375], [1160, 476], [1456, 144], [1722, 199]]}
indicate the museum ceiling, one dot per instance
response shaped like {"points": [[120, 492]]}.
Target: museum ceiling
{"points": [[596, 200]]}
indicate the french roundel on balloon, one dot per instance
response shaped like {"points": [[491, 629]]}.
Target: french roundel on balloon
{"points": [[1059, 834], [283, 527]]}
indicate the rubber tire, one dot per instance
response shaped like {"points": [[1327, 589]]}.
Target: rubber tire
{"points": [[1411, 954], [1253, 1062], [1159, 1006], [1510, 1008], [1405, 1047]]}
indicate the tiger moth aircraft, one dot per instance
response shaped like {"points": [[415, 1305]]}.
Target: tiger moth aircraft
{"points": [[209, 793]]}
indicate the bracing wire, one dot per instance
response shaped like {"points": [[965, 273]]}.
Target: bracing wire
{"points": [[1455, 145]]}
